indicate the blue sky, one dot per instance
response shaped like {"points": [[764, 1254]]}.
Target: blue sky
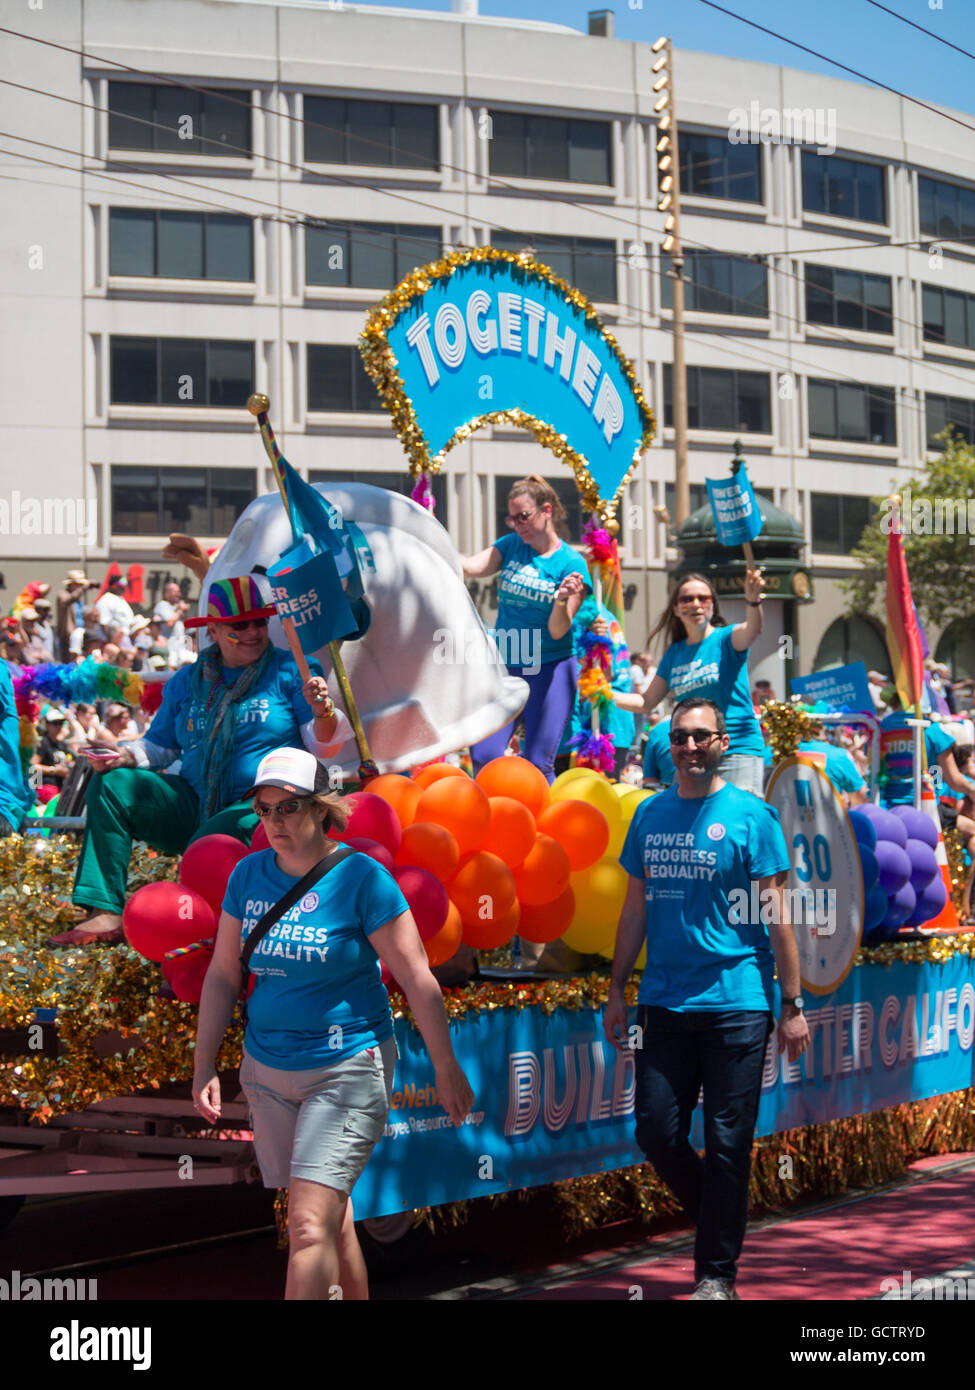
{"points": [[852, 31]]}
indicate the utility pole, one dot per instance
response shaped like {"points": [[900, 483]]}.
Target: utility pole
{"points": [[668, 188]]}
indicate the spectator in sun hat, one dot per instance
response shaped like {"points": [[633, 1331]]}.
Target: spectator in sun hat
{"points": [[113, 610], [45, 630], [29, 595], [53, 756], [219, 717], [36, 651]]}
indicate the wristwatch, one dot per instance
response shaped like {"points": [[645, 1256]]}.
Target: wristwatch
{"points": [[797, 1002]]}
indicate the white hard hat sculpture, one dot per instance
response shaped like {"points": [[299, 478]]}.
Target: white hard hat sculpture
{"points": [[426, 677]]}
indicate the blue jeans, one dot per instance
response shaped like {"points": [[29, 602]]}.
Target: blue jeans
{"points": [[680, 1053]]}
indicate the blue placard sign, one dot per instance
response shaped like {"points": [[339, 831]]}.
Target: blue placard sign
{"points": [[736, 515], [843, 689]]}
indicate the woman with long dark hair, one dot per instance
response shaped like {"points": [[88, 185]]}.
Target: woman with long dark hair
{"points": [[542, 583], [707, 657]]}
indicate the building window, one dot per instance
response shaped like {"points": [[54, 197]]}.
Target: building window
{"points": [[947, 209], [944, 411], [852, 639], [392, 482], [847, 299], [718, 284], [397, 134], [550, 147], [174, 120], [367, 255], [196, 501], [337, 380], [586, 263], [838, 522], [949, 316], [860, 414], [181, 371], [712, 167], [180, 245], [718, 399], [843, 187]]}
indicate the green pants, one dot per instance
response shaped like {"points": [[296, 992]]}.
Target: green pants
{"points": [[129, 804]]}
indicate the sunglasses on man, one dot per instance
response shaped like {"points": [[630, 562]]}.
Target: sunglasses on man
{"points": [[703, 738]]}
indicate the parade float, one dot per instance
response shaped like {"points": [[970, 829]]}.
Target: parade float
{"points": [[97, 1045]]}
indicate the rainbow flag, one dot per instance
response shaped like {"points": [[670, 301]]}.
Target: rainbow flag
{"points": [[903, 632]]}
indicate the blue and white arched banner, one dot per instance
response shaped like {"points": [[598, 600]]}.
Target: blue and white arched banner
{"points": [[485, 337]]}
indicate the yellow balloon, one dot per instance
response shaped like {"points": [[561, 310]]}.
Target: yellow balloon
{"points": [[595, 791], [599, 895], [623, 788], [573, 774]]}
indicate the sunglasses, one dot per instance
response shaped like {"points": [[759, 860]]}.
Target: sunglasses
{"points": [[250, 622], [519, 518], [282, 809], [689, 601], [703, 738]]}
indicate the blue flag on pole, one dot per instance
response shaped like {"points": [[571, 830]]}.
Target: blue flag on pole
{"points": [[307, 589], [736, 515]]}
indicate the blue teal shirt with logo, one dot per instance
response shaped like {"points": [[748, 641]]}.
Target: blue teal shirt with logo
{"points": [[318, 995], [897, 755], [839, 766], [271, 716], [713, 669], [527, 586], [658, 765], [693, 854]]}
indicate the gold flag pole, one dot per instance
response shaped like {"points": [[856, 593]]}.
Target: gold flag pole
{"points": [[259, 405]]}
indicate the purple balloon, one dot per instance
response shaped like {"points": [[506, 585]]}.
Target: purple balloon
{"points": [[868, 809], [890, 827], [917, 824], [930, 901], [864, 829], [870, 868], [894, 866], [900, 906], [924, 866]]}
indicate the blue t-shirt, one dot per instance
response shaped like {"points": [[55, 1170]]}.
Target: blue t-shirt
{"points": [[270, 717], [836, 762], [713, 669], [16, 796], [694, 853], [658, 765], [897, 756], [526, 591], [316, 969]]}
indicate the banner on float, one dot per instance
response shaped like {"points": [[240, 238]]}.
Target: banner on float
{"points": [[553, 1100], [484, 334], [843, 689], [737, 519], [307, 589]]}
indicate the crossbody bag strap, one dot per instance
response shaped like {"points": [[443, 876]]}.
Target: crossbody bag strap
{"points": [[285, 904]]}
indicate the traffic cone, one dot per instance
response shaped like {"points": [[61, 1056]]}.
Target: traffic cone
{"points": [[947, 918]]}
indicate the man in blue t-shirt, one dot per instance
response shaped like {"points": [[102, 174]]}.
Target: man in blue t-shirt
{"points": [[705, 861]]}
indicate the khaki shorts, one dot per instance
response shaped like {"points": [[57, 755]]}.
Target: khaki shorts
{"points": [[323, 1124]]}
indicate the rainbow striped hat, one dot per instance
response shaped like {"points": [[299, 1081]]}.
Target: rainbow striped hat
{"points": [[233, 601]]}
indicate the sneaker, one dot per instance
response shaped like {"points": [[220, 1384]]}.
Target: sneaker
{"points": [[715, 1289]]}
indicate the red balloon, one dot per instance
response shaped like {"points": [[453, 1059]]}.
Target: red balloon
{"points": [[545, 873], [374, 819], [427, 898], [207, 864], [490, 933], [185, 974], [259, 838], [374, 849], [483, 890], [548, 921], [161, 916]]}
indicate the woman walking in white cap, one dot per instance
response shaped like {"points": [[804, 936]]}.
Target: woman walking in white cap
{"points": [[310, 918]]}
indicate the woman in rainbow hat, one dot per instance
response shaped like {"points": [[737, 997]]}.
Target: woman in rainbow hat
{"points": [[217, 720]]}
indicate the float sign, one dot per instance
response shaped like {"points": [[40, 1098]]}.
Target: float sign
{"points": [[826, 897]]}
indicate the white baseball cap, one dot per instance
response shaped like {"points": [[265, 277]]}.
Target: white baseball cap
{"points": [[292, 769]]}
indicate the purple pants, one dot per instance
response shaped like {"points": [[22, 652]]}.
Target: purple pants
{"points": [[552, 693]]}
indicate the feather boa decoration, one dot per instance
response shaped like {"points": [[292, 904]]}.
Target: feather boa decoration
{"points": [[602, 552], [422, 494], [595, 751], [82, 684]]}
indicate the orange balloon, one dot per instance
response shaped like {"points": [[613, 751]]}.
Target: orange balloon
{"points": [[459, 806], [511, 833], [429, 846], [482, 888], [426, 776], [489, 934], [447, 940], [544, 874], [517, 778], [579, 828], [400, 792], [550, 920]]}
